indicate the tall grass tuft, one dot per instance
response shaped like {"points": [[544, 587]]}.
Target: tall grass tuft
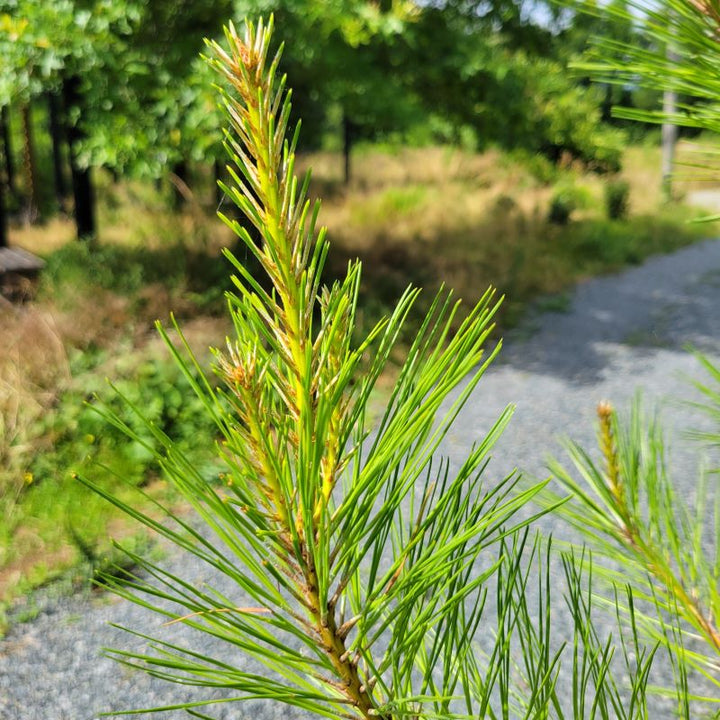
{"points": [[33, 370]]}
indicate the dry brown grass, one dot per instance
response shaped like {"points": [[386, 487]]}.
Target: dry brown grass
{"points": [[43, 239], [698, 164], [641, 169], [437, 215], [422, 215], [33, 370]]}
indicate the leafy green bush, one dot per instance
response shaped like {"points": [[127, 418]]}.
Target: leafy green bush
{"points": [[75, 269], [540, 166], [566, 198], [567, 120], [562, 205], [617, 199], [82, 438], [73, 524]]}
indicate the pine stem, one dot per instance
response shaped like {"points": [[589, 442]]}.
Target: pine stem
{"points": [[284, 255], [634, 540], [333, 641]]}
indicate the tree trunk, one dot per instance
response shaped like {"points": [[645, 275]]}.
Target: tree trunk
{"points": [[347, 147], [32, 205], [669, 140], [56, 136], [3, 208], [180, 190], [7, 149], [82, 187]]}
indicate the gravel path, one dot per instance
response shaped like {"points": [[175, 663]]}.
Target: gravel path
{"points": [[620, 334]]}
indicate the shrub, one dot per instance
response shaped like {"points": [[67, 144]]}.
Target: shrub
{"points": [[562, 205], [617, 198], [565, 200]]}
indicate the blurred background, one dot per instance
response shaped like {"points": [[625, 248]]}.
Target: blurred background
{"points": [[454, 142]]}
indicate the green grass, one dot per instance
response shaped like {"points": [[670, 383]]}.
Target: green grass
{"points": [[54, 524]]}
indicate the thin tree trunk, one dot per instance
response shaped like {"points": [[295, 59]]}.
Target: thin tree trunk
{"points": [[56, 136], [3, 209], [7, 149], [347, 126], [32, 205], [669, 140], [83, 194], [179, 184]]}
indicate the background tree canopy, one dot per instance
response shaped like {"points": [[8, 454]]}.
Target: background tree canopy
{"points": [[121, 85]]}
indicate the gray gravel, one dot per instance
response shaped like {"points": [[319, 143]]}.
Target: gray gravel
{"points": [[620, 334]]}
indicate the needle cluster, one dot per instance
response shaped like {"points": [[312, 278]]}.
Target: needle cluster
{"points": [[353, 564]]}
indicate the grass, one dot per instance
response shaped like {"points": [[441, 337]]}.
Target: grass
{"points": [[426, 216]]}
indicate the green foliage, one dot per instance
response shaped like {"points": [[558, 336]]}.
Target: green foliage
{"points": [[603, 245], [617, 199], [541, 167], [82, 439], [123, 269], [43, 42], [339, 55], [648, 537], [390, 206], [565, 119], [515, 97], [71, 437], [449, 71], [565, 200], [138, 108], [624, 501], [562, 206], [677, 54], [128, 270]]}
